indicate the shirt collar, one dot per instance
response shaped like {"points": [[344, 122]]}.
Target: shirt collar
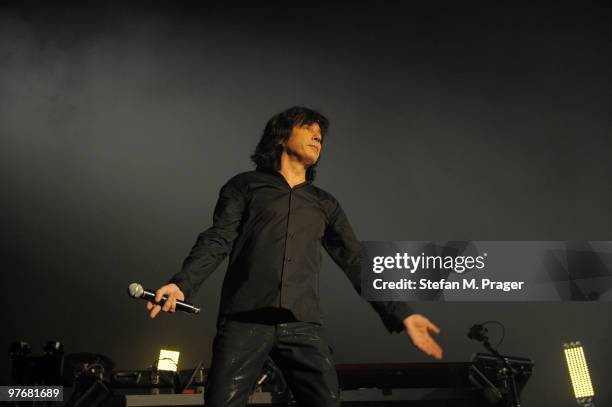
{"points": [[282, 177]]}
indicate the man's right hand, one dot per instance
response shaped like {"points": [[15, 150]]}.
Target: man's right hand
{"points": [[172, 292]]}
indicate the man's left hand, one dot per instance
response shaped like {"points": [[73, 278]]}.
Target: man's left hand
{"points": [[417, 328]]}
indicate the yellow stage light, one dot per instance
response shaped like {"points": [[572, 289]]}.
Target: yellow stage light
{"points": [[579, 373], [168, 360]]}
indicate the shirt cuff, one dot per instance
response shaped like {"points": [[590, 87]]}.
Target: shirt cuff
{"points": [[398, 312], [183, 285]]}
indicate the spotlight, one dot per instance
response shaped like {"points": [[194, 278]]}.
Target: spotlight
{"points": [[168, 360], [579, 374]]}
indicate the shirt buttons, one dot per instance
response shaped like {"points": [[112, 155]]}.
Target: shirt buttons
{"points": [[288, 259]]}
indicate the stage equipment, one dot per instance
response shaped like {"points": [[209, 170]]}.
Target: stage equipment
{"points": [[54, 348], [89, 374], [37, 370], [455, 383], [144, 381], [490, 374], [19, 349], [364, 385], [168, 360], [78, 364], [579, 374], [507, 373], [18, 352], [197, 376], [166, 363]]}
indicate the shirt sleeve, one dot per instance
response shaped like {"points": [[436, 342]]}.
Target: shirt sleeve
{"points": [[341, 244], [213, 244]]}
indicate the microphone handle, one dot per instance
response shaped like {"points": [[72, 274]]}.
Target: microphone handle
{"points": [[180, 305]]}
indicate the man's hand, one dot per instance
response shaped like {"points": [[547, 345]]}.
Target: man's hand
{"points": [[172, 292], [417, 328]]}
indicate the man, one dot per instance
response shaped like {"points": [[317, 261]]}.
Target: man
{"points": [[272, 221]]}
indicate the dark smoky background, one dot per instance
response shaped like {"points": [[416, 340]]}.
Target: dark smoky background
{"points": [[449, 121]]}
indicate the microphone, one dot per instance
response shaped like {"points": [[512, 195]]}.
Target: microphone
{"points": [[478, 333], [135, 290]]}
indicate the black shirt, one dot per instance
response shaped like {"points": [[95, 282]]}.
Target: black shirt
{"points": [[273, 234]]}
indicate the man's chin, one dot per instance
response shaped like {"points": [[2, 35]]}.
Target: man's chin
{"points": [[311, 162]]}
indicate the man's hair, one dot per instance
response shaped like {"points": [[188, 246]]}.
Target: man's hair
{"points": [[268, 152]]}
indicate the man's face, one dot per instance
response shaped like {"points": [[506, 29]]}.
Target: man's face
{"points": [[305, 143]]}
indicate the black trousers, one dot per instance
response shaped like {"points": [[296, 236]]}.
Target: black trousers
{"points": [[242, 345]]}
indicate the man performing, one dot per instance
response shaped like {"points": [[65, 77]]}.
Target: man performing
{"points": [[272, 221]]}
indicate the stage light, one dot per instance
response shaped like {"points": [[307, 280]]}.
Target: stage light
{"points": [[168, 360], [579, 373]]}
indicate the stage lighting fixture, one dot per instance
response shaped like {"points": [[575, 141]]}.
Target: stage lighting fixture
{"points": [[579, 374], [168, 360]]}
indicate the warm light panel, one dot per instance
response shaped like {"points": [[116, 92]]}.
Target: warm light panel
{"points": [[168, 360], [578, 370]]}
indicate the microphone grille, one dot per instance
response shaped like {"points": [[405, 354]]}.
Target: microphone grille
{"points": [[135, 290]]}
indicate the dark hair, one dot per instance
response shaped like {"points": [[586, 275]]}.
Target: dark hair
{"points": [[268, 152]]}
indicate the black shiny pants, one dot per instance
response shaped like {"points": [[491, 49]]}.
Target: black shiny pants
{"points": [[241, 347]]}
